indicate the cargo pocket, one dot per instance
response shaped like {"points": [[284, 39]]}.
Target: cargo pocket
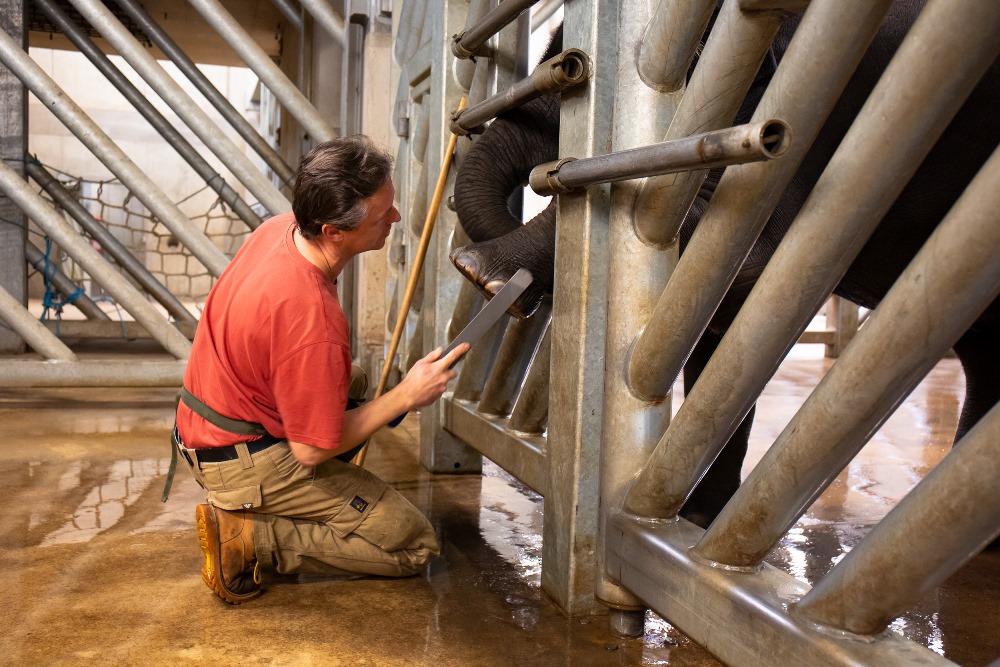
{"points": [[245, 498], [366, 492], [397, 524]]}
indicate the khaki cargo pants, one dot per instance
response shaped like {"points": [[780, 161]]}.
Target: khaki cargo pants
{"points": [[330, 519]]}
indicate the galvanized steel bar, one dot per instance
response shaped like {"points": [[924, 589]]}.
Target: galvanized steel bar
{"points": [[70, 241], [630, 427], [170, 92], [324, 15], [109, 329], [109, 243], [173, 138], [92, 374], [24, 324], [742, 618], [290, 12], [512, 362], [465, 68], [579, 311], [821, 58], [725, 72], [939, 295], [938, 527], [520, 456], [544, 13], [710, 417], [754, 142], [570, 68], [46, 90], [669, 42], [468, 42], [270, 74], [409, 34], [63, 283], [531, 408], [211, 93]]}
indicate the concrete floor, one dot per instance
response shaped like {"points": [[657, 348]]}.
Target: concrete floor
{"points": [[99, 571]]}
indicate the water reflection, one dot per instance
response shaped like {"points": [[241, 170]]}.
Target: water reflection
{"points": [[105, 504]]}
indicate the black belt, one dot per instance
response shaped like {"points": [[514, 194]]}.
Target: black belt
{"points": [[228, 453]]}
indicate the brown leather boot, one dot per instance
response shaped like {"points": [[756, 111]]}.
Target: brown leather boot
{"points": [[230, 565]]}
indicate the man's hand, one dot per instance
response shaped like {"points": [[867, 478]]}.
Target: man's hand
{"points": [[423, 385], [429, 377]]}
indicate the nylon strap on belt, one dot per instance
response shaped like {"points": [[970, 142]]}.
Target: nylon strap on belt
{"points": [[201, 409]]}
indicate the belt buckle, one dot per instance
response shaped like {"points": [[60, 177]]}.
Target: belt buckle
{"points": [[179, 444]]}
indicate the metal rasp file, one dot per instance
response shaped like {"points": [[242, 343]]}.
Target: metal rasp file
{"points": [[486, 318]]}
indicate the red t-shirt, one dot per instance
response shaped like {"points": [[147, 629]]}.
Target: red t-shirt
{"points": [[272, 347]]}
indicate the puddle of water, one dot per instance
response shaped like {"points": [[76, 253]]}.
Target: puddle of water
{"points": [[105, 504]]}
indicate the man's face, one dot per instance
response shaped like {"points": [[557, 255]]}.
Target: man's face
{"points": [[374, 229]]}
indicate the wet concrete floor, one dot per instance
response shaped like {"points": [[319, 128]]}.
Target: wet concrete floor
{"points": [[99, 571]]}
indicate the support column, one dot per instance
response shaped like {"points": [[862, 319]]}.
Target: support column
{"points": [[579, 311], [439, 450], [13, 147], [632, 426]]}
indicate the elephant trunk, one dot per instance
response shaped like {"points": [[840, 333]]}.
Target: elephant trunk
{"points": [[499, 162]]}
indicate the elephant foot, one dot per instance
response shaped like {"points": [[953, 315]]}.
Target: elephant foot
{"points": [[490, 270]]}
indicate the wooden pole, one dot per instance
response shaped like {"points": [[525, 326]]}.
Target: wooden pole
{"points": [[418, 264]]}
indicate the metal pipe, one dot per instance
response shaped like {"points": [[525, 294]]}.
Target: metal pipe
{"points": [[570, 68], [92, 136], [629, 428], [938, 527], [110, 329], [820, 60], [669, 41], [270, 74], [147, 111], [465, 69], [326, 17], [754, 142], [170, 92], [111, 245], [512, 362], [544, 13], [56, 227], [210, 92], [92, 374], [928, 309], [290, 12], [726, 70], [63, 283], [709, 418], [531, 408], [741, 618], [410, 32], [467, 43], [34, 333]]}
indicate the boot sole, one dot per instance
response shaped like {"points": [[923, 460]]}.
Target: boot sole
{"points": [[211, 547]]}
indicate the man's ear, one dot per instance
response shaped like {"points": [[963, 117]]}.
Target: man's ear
{"points": [[332, 233]]}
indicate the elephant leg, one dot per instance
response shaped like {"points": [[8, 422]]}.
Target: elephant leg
{"points": [[723, 477], [490, 264], [980, 356]]}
